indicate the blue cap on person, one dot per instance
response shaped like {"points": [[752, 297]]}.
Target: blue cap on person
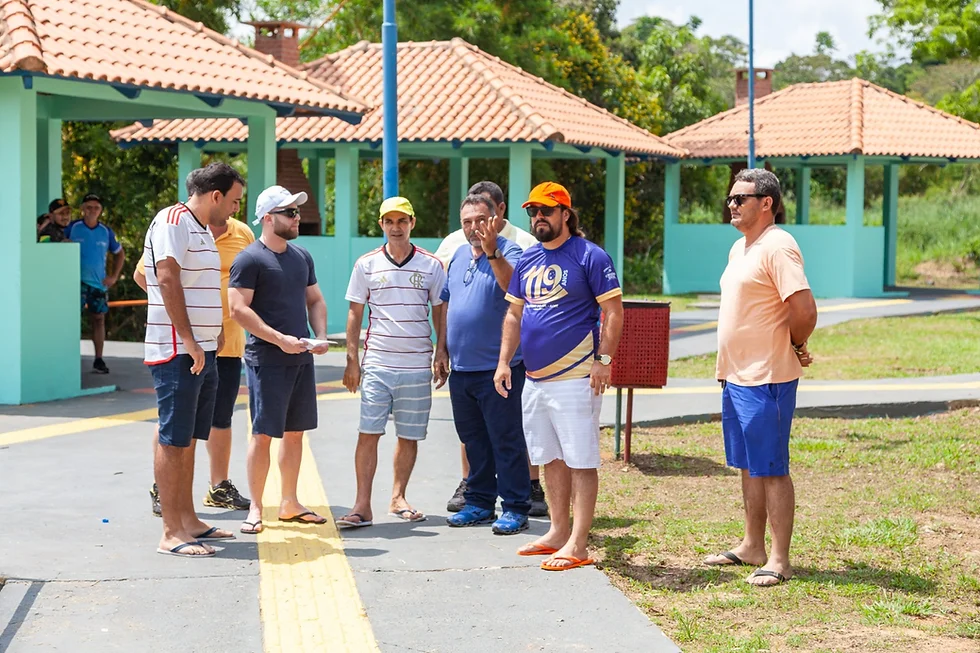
{"points": [[399, 204], [275, 197]]}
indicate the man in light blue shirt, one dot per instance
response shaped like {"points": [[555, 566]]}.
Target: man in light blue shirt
{"points": [[96, 241], [489, 426]]}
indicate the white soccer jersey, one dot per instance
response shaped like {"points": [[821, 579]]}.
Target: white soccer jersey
{"points": [[175, 233], [399, 335]]}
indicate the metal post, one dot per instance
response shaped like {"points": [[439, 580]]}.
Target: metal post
{"points": [[629, 425], [389, 47], [619, 418], [751, 88]]}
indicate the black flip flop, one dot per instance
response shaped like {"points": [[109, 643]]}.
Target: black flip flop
{"points": [[299, 518], [345, 522], [206, 535], [768, 574], [732, 560], [255, 526]]}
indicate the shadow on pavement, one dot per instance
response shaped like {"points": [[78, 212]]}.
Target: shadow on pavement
{"points": [[20, 614]]}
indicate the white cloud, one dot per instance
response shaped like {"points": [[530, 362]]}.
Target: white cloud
{"points": [[782, 27]]}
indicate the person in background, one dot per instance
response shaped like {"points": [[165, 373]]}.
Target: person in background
{"points": [[56, 220]]}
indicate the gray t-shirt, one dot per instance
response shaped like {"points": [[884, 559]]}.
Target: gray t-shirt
{"points": [[279, 282]]}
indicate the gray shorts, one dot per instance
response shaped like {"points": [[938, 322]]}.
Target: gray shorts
{"points": [[406, 393]]}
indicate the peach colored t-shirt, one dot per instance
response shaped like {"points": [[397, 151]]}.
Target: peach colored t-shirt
{"points": [[753, 322]]}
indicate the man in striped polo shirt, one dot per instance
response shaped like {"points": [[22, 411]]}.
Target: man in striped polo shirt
{"points": [[183, 331], [398, 282]]}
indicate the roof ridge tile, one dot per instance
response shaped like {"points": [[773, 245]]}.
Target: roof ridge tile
{"points": [[857, 116], [19, 38]]}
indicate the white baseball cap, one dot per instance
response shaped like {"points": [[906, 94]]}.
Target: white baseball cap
{"points": [[276, 197]]}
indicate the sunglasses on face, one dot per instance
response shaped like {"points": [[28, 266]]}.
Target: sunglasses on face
{"points": [[741, 198], [289, 213], [546, 211]]}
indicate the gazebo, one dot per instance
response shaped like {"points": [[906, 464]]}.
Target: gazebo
{"points": [[109, 60], [456, 102], [851, 123]]}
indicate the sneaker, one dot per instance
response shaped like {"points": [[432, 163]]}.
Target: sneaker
{"points": [[471, 516], [225, 495], [539, 507], [510, 523], [155, 501], [100, 366], [458, 501]]}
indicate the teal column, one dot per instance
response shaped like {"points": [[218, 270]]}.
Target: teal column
{"points": [[48, 163], [346, 193], [261, 151], [615, 211], [889, 218], [459, 183], [803, 196], [316, 171], [188, 159], [519, 184], [672, 209], [855, 193]]}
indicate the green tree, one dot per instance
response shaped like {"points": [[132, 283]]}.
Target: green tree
{"points": [[820, 66], [213, 13]]}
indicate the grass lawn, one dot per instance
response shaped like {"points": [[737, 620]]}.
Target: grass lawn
{"points": [[886, 547], [678, 303], [880, 348]]}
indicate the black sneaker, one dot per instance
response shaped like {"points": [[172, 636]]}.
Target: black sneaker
{"points": [[225, 495], [155, 501], [539, 507], [100, 366], [457, 502]]}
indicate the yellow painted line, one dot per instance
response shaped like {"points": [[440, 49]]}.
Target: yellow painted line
{"points": [[705, 326], [308, 599], [75, 426], [856, 305]]}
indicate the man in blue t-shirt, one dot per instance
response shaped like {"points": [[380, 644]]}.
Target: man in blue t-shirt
{"points": [[96, 241], [556, 292], [489, 425]]}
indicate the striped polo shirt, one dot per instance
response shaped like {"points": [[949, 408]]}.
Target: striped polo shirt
{"points": [[176, 233], [399, 335]]}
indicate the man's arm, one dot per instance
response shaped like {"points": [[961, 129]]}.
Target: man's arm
{"points": [[240, 308], [316, 310], [168, 276], [118, 259], [502, 271], [802, 322], [140, 279], [440, 364], [612, 330], [510, 339], [352, 372]]}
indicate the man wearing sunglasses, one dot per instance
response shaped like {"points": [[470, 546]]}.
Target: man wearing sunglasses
{"points": [[556, 293], [488, 425], [767, 313], [273, 294]]}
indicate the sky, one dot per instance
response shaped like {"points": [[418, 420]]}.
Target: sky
{"points": [[782, 27]]}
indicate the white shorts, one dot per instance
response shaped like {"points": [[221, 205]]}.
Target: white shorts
{"points": [[561, 422]]}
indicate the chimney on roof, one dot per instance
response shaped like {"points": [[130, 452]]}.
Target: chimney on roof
{"points": [[763, 84], [279, 38]]}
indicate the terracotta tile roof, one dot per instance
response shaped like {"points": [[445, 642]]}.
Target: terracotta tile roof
{"points": [[448, 91], [832, 118], [132, 42]]}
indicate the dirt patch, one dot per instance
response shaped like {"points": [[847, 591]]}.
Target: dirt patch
{"points": [[961, 273]]}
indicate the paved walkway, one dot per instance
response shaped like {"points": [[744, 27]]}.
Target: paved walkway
{"points": [[77, 542]]}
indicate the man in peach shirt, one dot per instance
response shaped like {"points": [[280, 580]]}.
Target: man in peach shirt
{"points": [[767, 313]]}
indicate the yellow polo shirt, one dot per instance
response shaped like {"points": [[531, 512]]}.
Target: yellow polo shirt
{"points": [[236, 238]]}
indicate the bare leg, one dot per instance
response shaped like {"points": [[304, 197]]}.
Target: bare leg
{"points": [[192, 523], [464, 462], [290, 460], [406, 452], [219, 454], [168, 469], [781, 502], [98, 333], [752, 549], [257, 464], [584, 489], [534, 470], [365, 466], [559, 479]]}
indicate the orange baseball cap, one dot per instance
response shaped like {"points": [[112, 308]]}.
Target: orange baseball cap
{"points": [[550, 194]]}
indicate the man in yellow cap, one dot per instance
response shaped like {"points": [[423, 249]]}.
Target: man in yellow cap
{"points": [[556, 292], [398, 282]]}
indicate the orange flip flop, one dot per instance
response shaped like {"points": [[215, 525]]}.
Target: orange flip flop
{"points": [[575, 563], [538, 550]]}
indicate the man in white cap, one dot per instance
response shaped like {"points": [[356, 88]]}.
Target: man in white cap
{"points": [[398, 282], [273, 294]]}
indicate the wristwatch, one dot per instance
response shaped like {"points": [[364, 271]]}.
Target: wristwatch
{"points": [[496, 254], [604, 359]]}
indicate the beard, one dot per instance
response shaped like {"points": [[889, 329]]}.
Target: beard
{"points": [[544, 232], [285, 231]]}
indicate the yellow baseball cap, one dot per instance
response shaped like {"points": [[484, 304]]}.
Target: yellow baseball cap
{"points": [[399, 204]]}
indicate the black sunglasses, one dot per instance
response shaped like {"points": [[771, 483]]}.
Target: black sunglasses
{"points": [[468, 275], [289, 213], [740, 198], [546, 211]]}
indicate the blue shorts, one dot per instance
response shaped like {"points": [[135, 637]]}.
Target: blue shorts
{"points": [[229, 382], [185, 401], [756, 421], [407, 394], [96, 299], [281, 398]]}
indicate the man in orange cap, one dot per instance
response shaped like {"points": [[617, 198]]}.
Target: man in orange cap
{"points": [[556, 292]]}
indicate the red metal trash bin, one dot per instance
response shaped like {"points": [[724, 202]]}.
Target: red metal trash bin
{"points": [[641, 358]]}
